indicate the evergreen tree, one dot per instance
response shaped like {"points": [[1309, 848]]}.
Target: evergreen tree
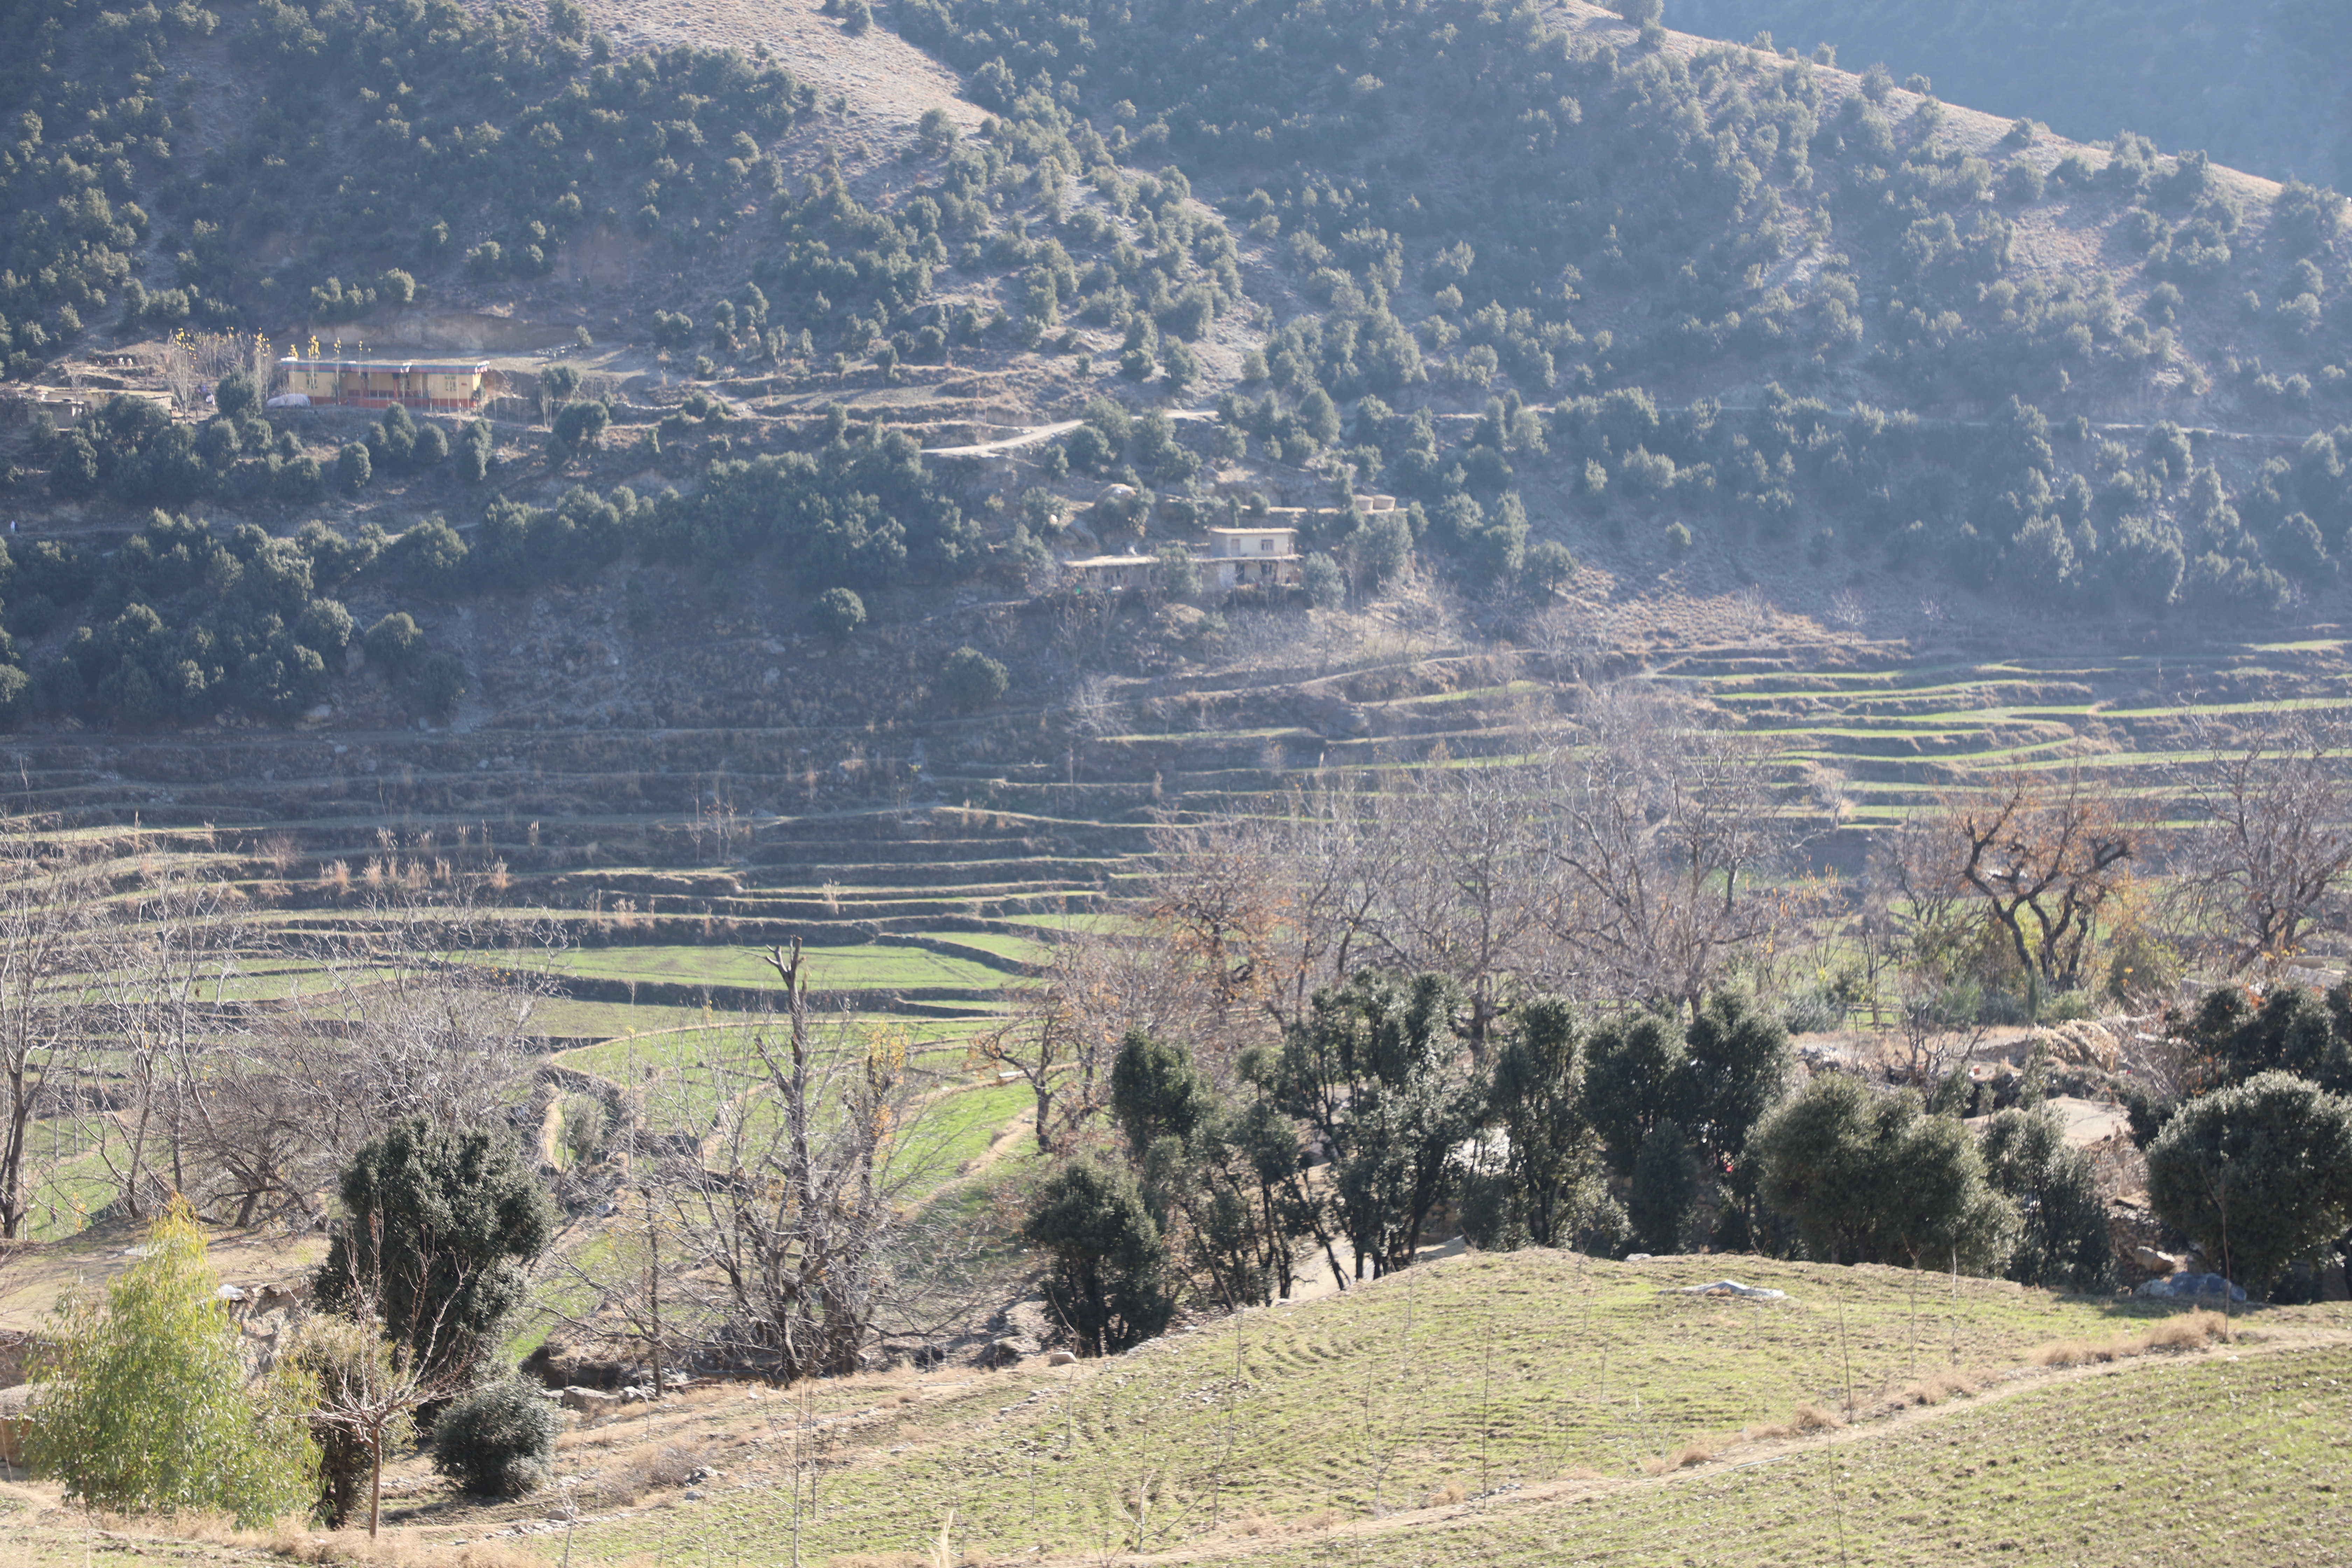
{"points": [[438, 1224], [1110, 1284]]}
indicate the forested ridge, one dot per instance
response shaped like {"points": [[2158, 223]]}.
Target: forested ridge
{"points": [[1563, 282], [2257, 83]]}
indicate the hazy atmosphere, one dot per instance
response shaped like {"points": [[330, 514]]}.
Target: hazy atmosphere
{"points": [[952, 782]]}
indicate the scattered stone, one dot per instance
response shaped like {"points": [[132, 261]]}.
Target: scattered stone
{"points": [[2156, 1262], [1003, 1352]]}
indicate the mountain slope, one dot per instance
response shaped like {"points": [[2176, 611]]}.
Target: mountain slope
{"points": [[2254, 82]]}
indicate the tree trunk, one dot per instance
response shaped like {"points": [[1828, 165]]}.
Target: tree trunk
{"points": [[376, 1480]]}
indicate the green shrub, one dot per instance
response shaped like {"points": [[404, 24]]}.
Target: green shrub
{"points": [[442, 683], [1326, 585], [144, 1406], [499, 1440], [354, 469], [2258, 1175], [394, 643], [1109, 1283], [839, 613], [970, 680]]}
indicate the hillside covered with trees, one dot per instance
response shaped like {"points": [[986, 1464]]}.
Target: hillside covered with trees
{"points": [[2254, 82], [1626, 289]]}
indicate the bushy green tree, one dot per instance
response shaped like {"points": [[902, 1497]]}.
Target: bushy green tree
{"points": [[1665, 1191], [2062, 1240], [1110, 1285], [354, 469], [1537, 1097], [2258, 1175], [144, 1406], [839, 613], [499, 1440], [578, 426], [1326, 584], [395, 642], [1374, 1070], [970, 680], [1868, 1177], [1221, 1177], [439, 1223]]}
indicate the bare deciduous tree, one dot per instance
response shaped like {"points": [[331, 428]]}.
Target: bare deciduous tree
{"points": [[410, 1012], [2043, 853], [52, 948], [1658, 831], [1095, 985], [789, 1209], [2265, 867]]}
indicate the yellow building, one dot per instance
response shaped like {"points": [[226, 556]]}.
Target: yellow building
{"points": [[451, 388]]}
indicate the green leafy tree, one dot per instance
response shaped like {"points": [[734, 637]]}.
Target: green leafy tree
{"points": [[394, 643], [1221, 1178], [578, 426], [1634, 1080], [839, 613], [144, 1406], [439, 1224], [441, 684], [354, 469], [1536, 1097], [2062, 1238], [236, 396], [1110, 1283], [1872, 1178], [1664, 1193], [2258, 1175], [1326, 584], [970, 680], [1373, 1070]]}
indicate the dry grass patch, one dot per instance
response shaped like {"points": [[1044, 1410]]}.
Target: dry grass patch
{"points": [[1697, 1451], [1446, 1496], [1935, 1388], [392, 1548], [1816, 1418], [2190, 1331]]}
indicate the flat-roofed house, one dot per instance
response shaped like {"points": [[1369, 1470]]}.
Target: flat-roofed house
{"points": [[1241, 556], [427, 386], [1112, 571]]}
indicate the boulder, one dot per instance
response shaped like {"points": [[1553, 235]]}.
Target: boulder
{"points": [[1061, 1358], [1729, 1287], [2186, 1287], [920, 1355], [589, 1402], [2155, 1262], [1003, 1352]]}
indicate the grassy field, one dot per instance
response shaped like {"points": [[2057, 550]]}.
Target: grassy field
{"points": [[1484, 1376], [863, 967]]}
